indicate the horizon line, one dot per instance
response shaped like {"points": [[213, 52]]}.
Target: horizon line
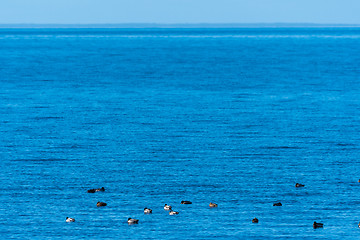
{"points": [[171, 25]]}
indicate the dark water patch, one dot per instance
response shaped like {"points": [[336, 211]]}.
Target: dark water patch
{"points": [[47, 118], [346, 145], [40, 107], [69, 146], [279, 147], [253, 126], [148, 124], [39, 160], [94, 123]]}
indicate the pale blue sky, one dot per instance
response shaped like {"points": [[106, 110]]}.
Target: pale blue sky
{"points": [[179, 11]]}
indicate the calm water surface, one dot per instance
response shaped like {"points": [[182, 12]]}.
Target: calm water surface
{"points": [[232, 116]]}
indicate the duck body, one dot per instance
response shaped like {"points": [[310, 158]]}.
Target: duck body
{"points": [[133, 221], [213, 205], [101, 204], [277, 204], [186, 202], [147, 210], [255, 220], [167, 207], [173, 213], [299, 185], [70, 219], [102, 189], [318, 225]]}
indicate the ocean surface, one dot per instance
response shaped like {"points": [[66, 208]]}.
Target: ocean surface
{"points": [[231, 116]]}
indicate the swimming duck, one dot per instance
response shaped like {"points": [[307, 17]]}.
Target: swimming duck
{"points": [[299, 185], [133, 221], [147, 210], [359, 225], [70, 219], [255, 220], [277, 204], [186, 202], [212, 205], [91, 191], [167, 207], [101, 204], [100, 189], [173, 212], [318, 225]]}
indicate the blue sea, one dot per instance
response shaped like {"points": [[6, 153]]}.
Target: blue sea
{"points": [[157, 116]]}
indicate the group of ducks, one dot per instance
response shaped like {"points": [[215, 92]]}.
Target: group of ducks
{"points": [[149, 211], [146, 210], [167, 208], [172, 212], [315, 224], [98, 204]]}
